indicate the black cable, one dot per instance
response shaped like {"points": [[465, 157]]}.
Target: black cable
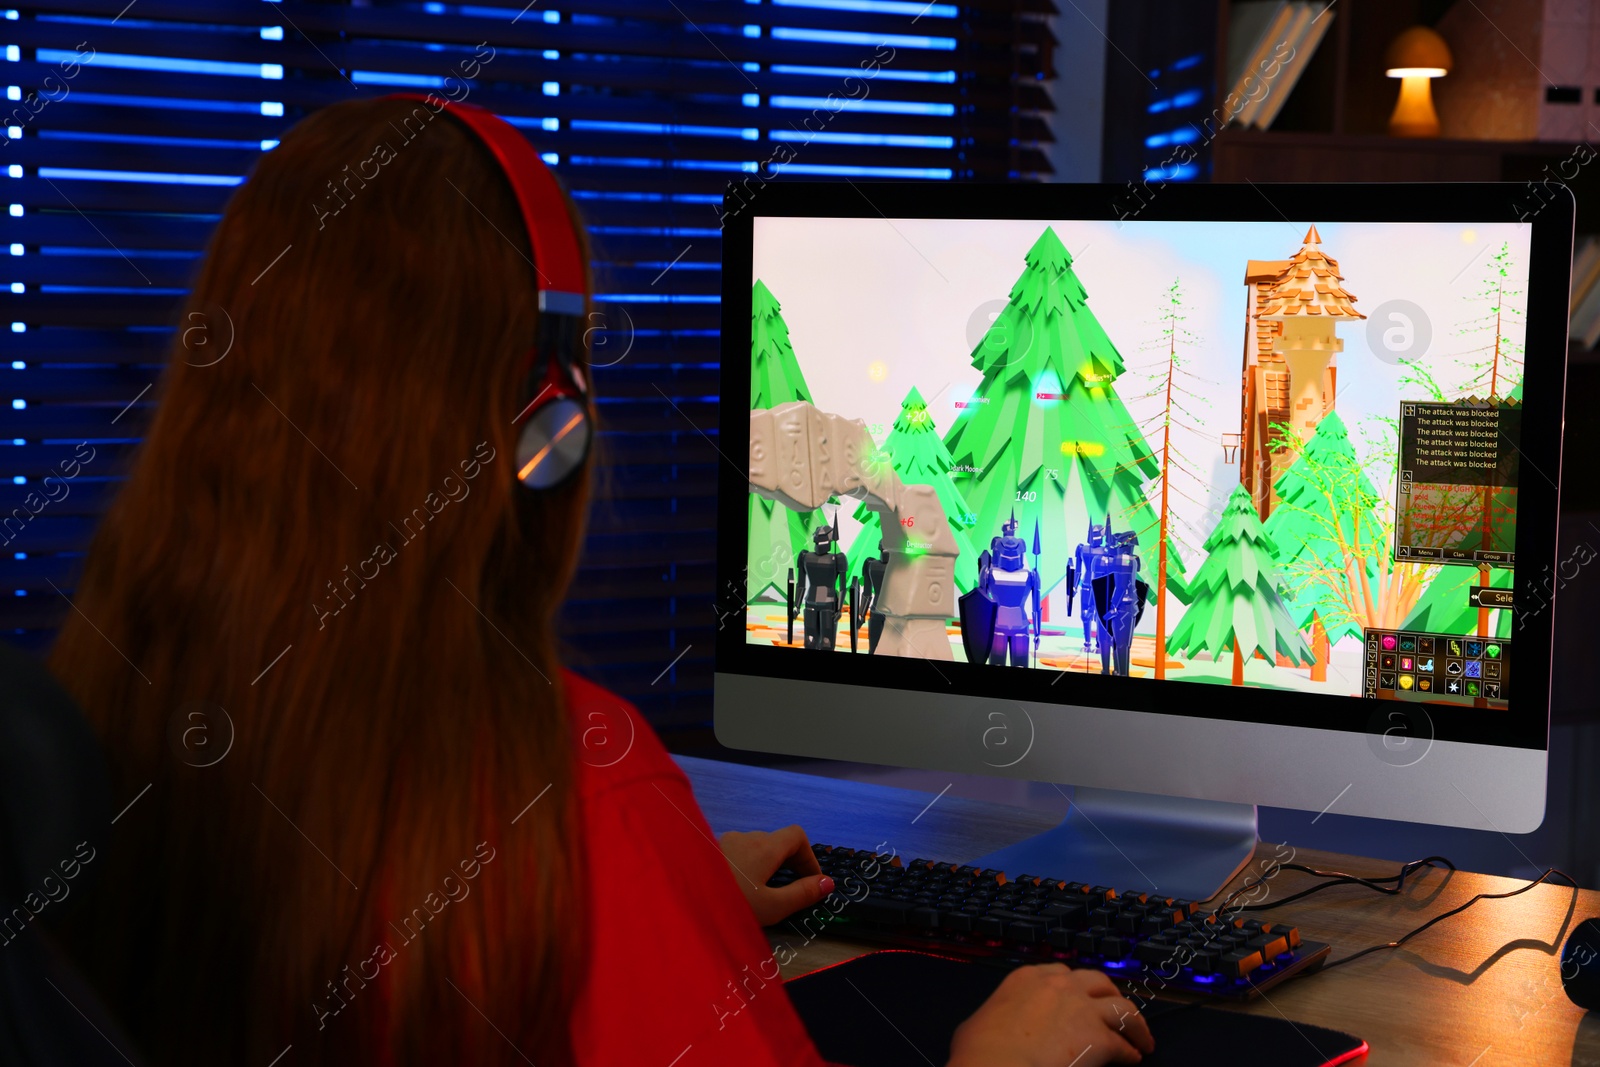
{"points": [[1335, 878], [1454, 911]]}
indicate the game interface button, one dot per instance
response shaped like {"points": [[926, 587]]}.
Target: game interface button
{"points": [[1453, 686], [1385, 681], [1474, 668], [1407, 681], [1424, 684], [1491, 669], [1425, 645], [1454, 667], [1386, 662], [1492, 690]]}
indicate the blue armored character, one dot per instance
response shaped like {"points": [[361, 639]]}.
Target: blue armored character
{"points": [[1089, 559], [1119, 598], [998, 615]]}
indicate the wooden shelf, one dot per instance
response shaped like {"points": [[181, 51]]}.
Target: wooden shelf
{"points": [[1271, 155], [1278, 156]]}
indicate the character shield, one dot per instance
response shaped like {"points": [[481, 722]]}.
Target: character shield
{"points": [[977, 625]]}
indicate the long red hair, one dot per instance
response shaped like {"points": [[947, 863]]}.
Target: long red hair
{"points": [[322, 537]]}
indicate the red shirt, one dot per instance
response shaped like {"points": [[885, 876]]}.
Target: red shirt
{"points": [[680, 974]]}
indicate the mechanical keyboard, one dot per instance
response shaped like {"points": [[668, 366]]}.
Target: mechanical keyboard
{"points": [[1168, 944]]}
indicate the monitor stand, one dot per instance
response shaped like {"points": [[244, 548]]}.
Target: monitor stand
{"points": [[1139, 841]]}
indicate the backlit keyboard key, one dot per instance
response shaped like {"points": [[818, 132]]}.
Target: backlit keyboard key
{"points": [[984, 914], [1238, 963]]}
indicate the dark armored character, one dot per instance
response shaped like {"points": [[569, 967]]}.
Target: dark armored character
{"points": [[1119, 597], [820, 590], [871, 583], [1089, 559], [996, 619]]}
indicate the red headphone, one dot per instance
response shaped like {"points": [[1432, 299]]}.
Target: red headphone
{"points": [[556, 426]]}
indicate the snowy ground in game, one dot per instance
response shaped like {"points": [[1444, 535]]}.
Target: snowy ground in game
{"points": [[765, 624]]}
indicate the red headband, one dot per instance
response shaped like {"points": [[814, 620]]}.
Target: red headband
{"points": [[556, 255]]}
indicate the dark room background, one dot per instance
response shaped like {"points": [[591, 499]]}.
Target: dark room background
{"points": [[130, 123]]}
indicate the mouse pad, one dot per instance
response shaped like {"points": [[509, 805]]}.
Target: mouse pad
{"points": [[893, 1008]]}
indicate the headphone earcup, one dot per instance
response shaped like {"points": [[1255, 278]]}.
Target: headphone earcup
{"points": [[553, 443]]}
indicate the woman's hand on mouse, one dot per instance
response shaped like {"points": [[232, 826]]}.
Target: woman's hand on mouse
{"points": [[1048, 1016], [757, 855]]}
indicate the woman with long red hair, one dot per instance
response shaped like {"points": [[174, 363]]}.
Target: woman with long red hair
{"points": [[369, 822]]}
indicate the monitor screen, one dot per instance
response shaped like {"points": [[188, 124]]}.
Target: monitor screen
{"points": [[1239, 467]]}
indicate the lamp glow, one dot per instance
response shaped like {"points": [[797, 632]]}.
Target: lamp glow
{"points": [[1416, 57]]}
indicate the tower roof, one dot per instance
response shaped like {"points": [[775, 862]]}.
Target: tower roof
{"points": [[1263, 270], [1309, 285]]}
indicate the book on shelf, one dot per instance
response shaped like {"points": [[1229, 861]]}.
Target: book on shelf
{"points": [[1261, 32], [1584, 308]]}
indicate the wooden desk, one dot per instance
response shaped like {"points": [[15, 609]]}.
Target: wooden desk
{"points": [[1479, 989]]}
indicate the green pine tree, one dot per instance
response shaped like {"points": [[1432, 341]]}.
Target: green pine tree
{"points": [[1236, 605], [1326, 531], [1046, 435], [777, 534], [1175, 397], [1495, 362], [919, 457]]}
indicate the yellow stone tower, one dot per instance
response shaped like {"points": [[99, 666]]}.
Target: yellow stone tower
{"points": [[1292, 308]]}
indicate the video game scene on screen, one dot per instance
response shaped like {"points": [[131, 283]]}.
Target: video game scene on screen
{"points": [[1174, 450]]}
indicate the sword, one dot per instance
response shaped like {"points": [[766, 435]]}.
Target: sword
{"points": [[1038, 583], [854, 626], [791, 605]]}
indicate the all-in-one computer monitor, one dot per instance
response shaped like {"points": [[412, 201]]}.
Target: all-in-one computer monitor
{"points": [[1193, 497]]}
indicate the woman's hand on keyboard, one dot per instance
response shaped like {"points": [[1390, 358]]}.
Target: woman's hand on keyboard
{"points": [[1048, 1016], [757, 855]]}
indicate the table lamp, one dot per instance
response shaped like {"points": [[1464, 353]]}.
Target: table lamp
{"points": [[1416, 57]]}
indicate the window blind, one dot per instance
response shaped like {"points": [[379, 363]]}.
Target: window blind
{"points": [[129, 124], [1160, 94]]}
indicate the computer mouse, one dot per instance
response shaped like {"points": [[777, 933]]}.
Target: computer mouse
{"points": [[1580, 965]]}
